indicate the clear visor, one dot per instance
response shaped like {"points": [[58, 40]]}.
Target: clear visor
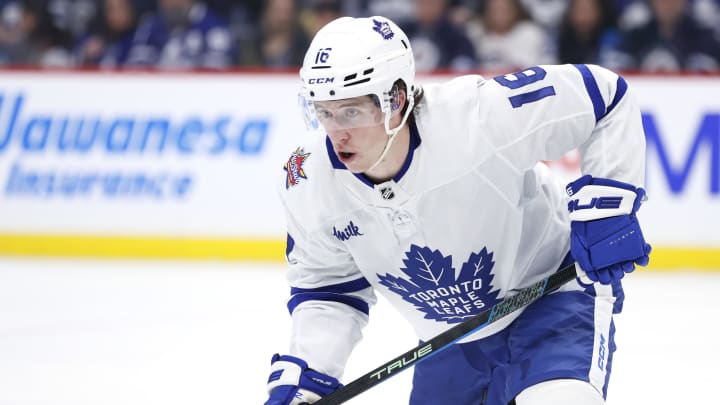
{"points": [[350, 113]]}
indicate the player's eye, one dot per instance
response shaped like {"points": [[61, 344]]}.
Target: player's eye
{"points": [[351, 113], [323, 114]]}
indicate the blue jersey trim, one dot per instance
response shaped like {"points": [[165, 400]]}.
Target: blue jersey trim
{"points": [[352, 302], [415, 141], [336, 163], [593, 91], [289, 246], [341, 288], [620, 90]]}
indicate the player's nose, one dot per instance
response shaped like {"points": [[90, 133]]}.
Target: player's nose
{"points": [[338, 135]]}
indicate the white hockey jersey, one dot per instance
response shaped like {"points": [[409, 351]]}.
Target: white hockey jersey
{"points": [[472, 216]]}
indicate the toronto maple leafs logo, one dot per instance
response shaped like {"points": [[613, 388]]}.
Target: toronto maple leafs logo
{"points": [[294, 167], [383, 28], [433, 288]]}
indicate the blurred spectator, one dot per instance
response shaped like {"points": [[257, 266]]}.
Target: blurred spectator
{"points": [[242, 17], [460, 12], [460, 35], [635, 13], [588, 26], [547, 13], [396, 10], [354, 8], [182, 34], [279, 41], [436, 42], [29, 38], [670, 41], [505, 38], [109, 42], [73, 17], [11, 28], [707, 12], [319, 13]]}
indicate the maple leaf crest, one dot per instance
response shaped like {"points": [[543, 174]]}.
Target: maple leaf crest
{"points": [[433, 288]]}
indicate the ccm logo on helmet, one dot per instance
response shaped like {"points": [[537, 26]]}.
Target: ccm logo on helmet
{"points": [[601, 203], [321, 80]]}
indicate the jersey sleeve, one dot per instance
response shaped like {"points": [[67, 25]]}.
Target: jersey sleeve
{"points": [[329, 298], [546, 111]]}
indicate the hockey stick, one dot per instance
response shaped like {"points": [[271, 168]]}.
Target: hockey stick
{"points": [[450, 336]]}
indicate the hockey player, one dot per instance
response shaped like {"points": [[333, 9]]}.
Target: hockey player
{"points": [[436, 197]]}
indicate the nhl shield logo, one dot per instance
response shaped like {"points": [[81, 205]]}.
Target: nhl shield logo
{"points": [[387, 193], [383, 28], [294, 167]]}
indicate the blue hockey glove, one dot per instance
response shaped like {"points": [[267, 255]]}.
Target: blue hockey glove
{"points": [[605, 237], [291, 382]]}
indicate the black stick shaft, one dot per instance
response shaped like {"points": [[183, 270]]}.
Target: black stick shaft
{"points": [[450, 336]]}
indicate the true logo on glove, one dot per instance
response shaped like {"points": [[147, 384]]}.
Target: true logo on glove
{"points": [[323, 382], [601, 203]]}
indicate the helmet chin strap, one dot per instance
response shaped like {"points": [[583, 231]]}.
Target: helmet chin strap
{"points": [[392, 132], [390, 139]]}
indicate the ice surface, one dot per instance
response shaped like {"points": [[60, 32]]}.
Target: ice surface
{"points": [[111, 333]]}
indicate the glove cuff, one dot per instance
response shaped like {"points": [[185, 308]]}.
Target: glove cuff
{"points": [[294, 372], [285, 370]]}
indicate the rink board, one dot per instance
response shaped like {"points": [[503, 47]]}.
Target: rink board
{"points": [[188, 165]]}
